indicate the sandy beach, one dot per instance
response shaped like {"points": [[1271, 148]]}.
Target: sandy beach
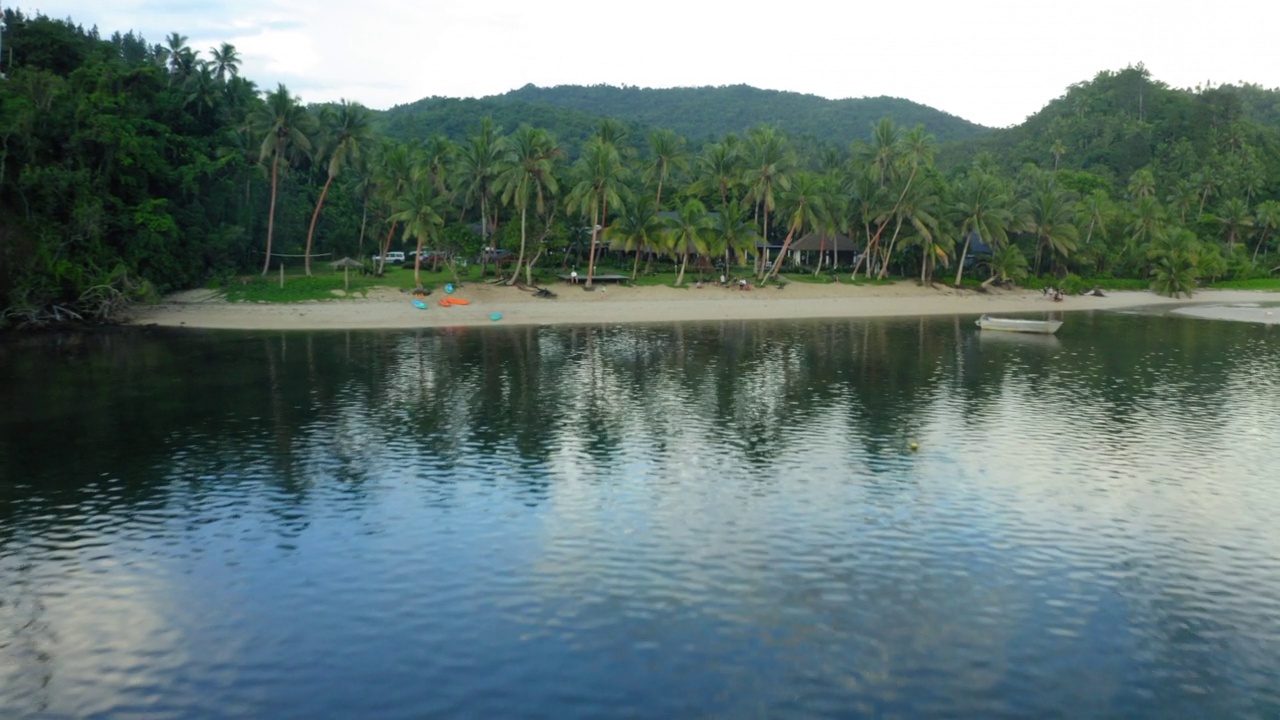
{"points": [[609, 304]]}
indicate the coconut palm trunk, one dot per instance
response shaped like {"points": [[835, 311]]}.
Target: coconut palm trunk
{"points": [[271, 214], [591, 252], [311, 231]]}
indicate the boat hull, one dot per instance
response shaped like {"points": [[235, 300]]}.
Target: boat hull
{"points": [[1037, 327]]}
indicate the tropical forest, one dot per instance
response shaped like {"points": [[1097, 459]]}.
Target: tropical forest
{"points": [[131, 168]]}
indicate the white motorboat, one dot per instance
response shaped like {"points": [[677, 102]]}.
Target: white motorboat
{"points": [[1038, 327]]}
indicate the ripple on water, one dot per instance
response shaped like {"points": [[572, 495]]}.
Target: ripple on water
{"points": [[709, 520]]}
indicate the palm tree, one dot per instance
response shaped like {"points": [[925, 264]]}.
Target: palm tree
{"points": [[526, 174], [364, 186], [421, 209], [478, 161], [1142, 183], [437, 156], [285, 127], [984, 211], [1184, 196], [636, 229], [1268, 218], [226, 62], [668, 155], [719, 168], [768, 164], [395, 174], [689, 231], [804, 199], [922, 211], [202, 89], [600, 174], [345, 136], [916, 150], [1048, 213], [884, 148], [1233, 216], [181, 60], [1175, 256], [1058, 149], [738, 232]]}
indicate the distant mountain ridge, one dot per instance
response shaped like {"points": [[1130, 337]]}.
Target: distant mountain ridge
{"points": [[700, 112], [697, 113]]}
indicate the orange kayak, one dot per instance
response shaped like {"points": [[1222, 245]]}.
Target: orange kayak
{"points": [[446, 302]]}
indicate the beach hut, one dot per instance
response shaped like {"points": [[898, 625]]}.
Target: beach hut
{"points": [[839, 250], [346, 264]]}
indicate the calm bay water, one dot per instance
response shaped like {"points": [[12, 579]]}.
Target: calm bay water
{"points": [[720, 520]]}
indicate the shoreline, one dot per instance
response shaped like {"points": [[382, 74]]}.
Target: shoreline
{"points": [[387, 309]]}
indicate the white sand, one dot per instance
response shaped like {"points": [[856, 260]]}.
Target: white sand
{"points": [[386, 308]]}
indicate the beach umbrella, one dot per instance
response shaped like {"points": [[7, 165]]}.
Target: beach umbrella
{"points": [[346, 264]]}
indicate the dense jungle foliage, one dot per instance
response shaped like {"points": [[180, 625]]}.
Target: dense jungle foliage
{"points": [[128, 168]]}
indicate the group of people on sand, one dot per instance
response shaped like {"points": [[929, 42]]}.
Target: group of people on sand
{"points": [[738, 284]]}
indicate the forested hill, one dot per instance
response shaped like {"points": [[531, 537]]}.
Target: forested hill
{"points": [[456, 118], [695, 113], [1225, 138]]}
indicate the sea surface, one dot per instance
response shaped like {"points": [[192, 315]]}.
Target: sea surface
{"points": [[866, 518]]}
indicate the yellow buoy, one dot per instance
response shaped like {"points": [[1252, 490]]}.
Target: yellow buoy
{"points": [[914, 446]]}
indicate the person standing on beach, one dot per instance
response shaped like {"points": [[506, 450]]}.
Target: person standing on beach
{"points": [[573, 276]]}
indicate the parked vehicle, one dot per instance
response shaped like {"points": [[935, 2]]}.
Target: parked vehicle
{"points": [[498, 257], [428, 257], [393, 257]]}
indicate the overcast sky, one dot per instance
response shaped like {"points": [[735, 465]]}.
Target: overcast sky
{"points": [[991, 61]]}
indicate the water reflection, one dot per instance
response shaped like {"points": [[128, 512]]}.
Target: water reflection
{"points": [[702, 519]]}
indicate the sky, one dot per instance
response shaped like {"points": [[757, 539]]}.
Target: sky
{"points": [[991, 62]]}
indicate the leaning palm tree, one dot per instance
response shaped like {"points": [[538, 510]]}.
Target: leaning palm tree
{"points": [[689, 232], [1268, 218], [346, 135], [804, 199], [600, 174], [526, 175], [285, 127]]}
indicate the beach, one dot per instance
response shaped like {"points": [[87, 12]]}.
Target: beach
{"points": [[386, 308]]}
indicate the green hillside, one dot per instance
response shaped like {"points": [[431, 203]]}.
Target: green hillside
{"points": [[1124, 121], [695, 113], [456, 118]]}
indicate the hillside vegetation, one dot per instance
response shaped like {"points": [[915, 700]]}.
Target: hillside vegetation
{"points": [[703, 113]]}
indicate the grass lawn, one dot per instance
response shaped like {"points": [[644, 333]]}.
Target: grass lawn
{"points": [[327, 284]]}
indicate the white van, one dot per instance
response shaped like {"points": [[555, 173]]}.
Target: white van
{"points": [[394, 257]]}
